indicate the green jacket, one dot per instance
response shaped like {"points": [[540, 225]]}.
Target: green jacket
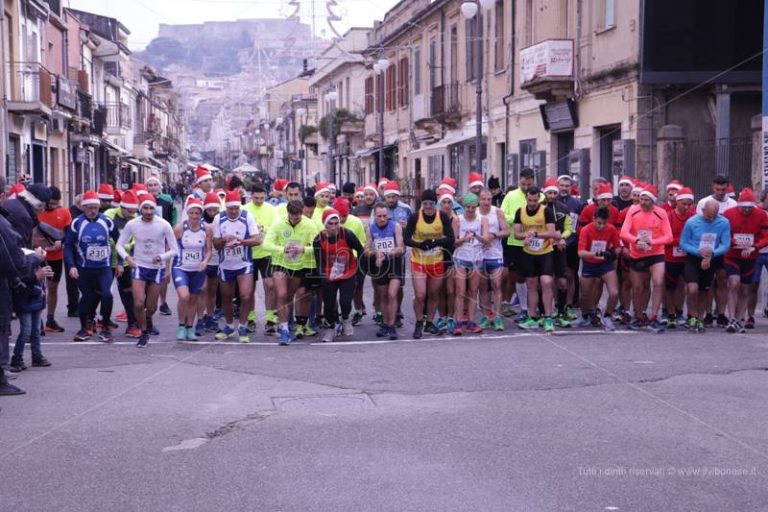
{"points": [[281, 233]]}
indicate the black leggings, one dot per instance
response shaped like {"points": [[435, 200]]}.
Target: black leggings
{"points": [[345, 289]]}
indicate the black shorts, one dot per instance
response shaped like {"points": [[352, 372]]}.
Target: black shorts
{"points": [[741, 267], [311, 280], [511, 256], [673, 272], [693, 273], [530, 265], [57, 267], [572, 257], [262, 266], [288, 272], [560, 262], [645, 264], [391, 268]]}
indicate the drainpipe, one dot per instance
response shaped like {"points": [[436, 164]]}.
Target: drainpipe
{"points": [[509, 96]]}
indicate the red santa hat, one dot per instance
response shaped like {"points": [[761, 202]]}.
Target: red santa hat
{"points": [[628, 180], [221, 193], [280, 185], [372, 188], [201, 174], [106, 192], [129, 200], [359, 191], [211, 201], [684, 193], [140, 189], [341, 205], [90, 198], [651, 192], [730, 191], [638, 187], [391, 188], [117, 197], [148, 199], [330, 213], [193, 202], [747, 198], [604, 191], [475, 179], [575, 191], [383, 182], [551, 184], [564, 177], [232, 198], [674, 184], [445, 195], [153, 178], [322, 187], [16, 189], [448, 184]]}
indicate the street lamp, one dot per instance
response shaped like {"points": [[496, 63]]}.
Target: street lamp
{"points": [[301, 112], [331, 96], [469, 10], [380, 67]]}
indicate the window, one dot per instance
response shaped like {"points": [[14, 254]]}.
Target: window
{"points": [[369, 95], [402, 82], [391, 88], [498, 54], [377, 93], [454, 71], [417, 70], [474, 46], [432, 63], [607, 14]]}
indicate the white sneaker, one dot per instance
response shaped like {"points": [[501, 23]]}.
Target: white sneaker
{"points": [[329, 335], [346, 327]]}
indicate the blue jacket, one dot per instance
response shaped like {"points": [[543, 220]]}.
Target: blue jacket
{"points": [[697, 226], [87, 243]]}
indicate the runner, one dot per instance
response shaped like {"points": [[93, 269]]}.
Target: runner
{"points": [[263, 214], [106, 195], [289, 240], [446, 322], [364, 211], [471, 232], [203, 183], [603, 197], [598, 247], [207, 314], [234, 232], [573, 207], [120, 216], [153, 244], [762, 262], [88, 259], [646, 231], [706, 238], [449, 184], [429, 233], [672, 189], [475, 183], [749, 234], [195, 246], [292, 193], [398, 211], [535, 226], [357, 228], [385, 247], [336, 251], [493, 262], [624, 198], [277, 196], [674, 260], [323, 196], [563, 231], [166, 210]]}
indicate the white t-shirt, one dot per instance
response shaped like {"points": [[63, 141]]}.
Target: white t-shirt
{"points": [[151, 239], [724, 205], [242, 228]]}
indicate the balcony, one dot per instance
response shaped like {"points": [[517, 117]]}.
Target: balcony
{"points": [[118, 116], [84, 106], [31, 91], [547, 69], [445, 102]]}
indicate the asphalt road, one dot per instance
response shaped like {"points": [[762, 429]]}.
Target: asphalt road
{"points": [[577, 421]]}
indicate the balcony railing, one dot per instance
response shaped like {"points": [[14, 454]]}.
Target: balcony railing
{"points": [[118, 116], [547, 69], [445, 99], [84, 105], [33, 83]]}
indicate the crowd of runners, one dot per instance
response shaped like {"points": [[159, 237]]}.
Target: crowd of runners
{"points": [[537, 253]]}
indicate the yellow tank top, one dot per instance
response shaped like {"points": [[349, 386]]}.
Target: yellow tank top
{"points": [[536, 222], [423, 232]]}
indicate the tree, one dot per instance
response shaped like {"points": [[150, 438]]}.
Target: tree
{"points": [[342, 115]]}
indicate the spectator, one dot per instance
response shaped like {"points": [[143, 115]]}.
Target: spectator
{"points": [[23, 210]]}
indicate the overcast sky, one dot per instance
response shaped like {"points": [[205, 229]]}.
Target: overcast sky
{"points": [[142, 17]]}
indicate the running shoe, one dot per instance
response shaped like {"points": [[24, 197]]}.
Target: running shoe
{"points": [[657, 326], [740, 327], [309, 331], [211, 325], [498, 324], [164, 309], [608, 324], [450, 325], [672, 322], [285, 336], [570, 314], [473, 328], [732, 326], [109, 324], [143, 340], [270, 328], [199, 327], [458, 329], [106, 336], [357, 317], [329, 335], [81, 335], [562, 322], [722, 320], [383, 331], [299, 330], [506, 309], [252, 316], [529, 324], [40, 362], [585, 321], [636, 324], [133, 332], [485, 322], [346, 327], [52, 326], [242, 335], [750, 324], [440, 324], [549, 325], [692, 323], [699, 328], [217, 314], [522, 317], [181, 335], [418, 330], [399, 320], [708, 320], [378, 318], [431, 328], [392, 333], [224, 333], [252, 327], [122, 317], [192, 334], [154, 331]]}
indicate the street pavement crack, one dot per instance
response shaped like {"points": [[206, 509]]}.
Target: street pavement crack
{"points": [[239, 424]]}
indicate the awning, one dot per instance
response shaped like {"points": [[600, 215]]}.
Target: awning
{"points": [[157, 162], [438, 148], [114, 148], [139, 163], [372, 151]]}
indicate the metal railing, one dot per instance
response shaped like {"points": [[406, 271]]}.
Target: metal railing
{"points": [[84, 105], [118, 116], [445, 99], [33, 83]]}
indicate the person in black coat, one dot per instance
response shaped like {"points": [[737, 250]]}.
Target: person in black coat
{"points": [[22, 211]]}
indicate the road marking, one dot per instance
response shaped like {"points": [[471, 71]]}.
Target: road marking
{"points": [[187, 444]]}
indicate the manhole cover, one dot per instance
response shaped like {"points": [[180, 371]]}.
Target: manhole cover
{"points": [[325, 403]]}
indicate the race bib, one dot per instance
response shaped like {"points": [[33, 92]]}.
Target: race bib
{"points": [[536, 244], [644, 234], [744, 240], [289, 256], [598, 246], [191, 256], [97, 253], [677, 252], [708, 241], [214, 261], [234, 253], [384, 244], [339, 265]]}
